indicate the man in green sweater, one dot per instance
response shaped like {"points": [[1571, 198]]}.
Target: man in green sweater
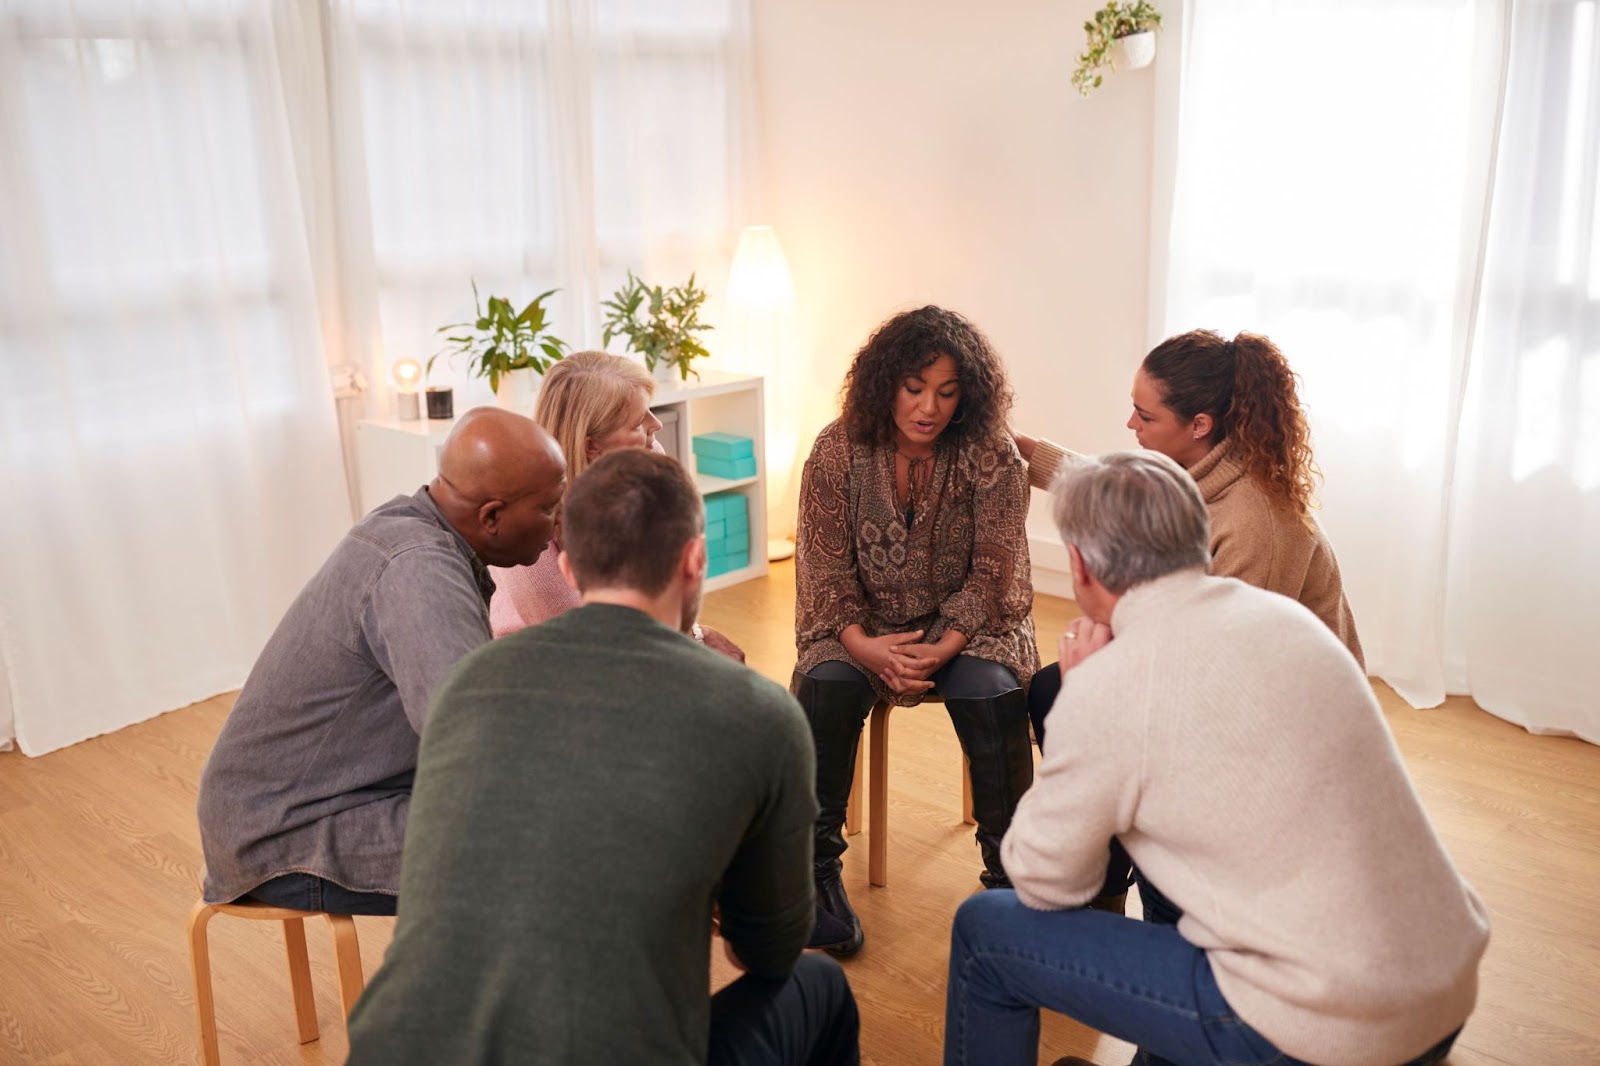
{"points": [[594, 794]]}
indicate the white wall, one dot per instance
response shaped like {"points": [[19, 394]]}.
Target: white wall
{"points": [[936, 152]]}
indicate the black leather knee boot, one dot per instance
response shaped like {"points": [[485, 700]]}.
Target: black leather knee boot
{"points": [[994, 735], [836, 710]]}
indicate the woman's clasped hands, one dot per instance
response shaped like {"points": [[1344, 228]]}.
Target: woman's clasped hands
{"points": [[901, 660]]}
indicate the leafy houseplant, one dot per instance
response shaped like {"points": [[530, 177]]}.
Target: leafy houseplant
{"points": [[500, 339], [660, 324], [1110, 24]]}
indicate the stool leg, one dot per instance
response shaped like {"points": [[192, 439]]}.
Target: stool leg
{"points": [[878, 802], [305, 1003], [347, 952], [205, 1007], [852, 813], [966, 791]]}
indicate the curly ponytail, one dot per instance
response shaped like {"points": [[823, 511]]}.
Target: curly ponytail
{"points": [[1251, 394]]}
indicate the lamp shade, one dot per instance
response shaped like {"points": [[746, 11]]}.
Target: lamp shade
{"points": [[760, 341], [759, 278]]}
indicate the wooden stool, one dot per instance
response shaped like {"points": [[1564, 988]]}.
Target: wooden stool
{"points": [[347, 954], [878, 811]]}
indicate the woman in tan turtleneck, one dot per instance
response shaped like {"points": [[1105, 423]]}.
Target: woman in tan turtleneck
{"points": [[1229, 412]]}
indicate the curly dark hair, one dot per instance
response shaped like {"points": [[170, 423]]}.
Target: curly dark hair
{"points": [[904, 345], [1251, 394]]}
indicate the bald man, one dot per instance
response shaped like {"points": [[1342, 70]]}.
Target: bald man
{"points": [[303, 801]]}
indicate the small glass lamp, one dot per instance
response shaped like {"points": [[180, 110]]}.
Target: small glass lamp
{"points": [[407, 375]]}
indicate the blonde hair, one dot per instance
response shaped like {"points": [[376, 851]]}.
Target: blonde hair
{"points": [[585, 397]]}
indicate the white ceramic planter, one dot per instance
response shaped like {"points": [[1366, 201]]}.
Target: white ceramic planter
{"points": [[519, 390], [1133, 51]]}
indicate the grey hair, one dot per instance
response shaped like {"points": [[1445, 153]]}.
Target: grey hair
{"points": [[1134, 517]]}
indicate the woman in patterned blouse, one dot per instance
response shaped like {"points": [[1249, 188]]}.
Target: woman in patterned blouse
{"points": [[912, 576]]}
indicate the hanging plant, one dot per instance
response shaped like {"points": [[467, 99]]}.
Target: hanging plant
{"points": [[1110, 39]]}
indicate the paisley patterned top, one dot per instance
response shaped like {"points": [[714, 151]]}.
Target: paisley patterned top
{"points": [[963, 563]]}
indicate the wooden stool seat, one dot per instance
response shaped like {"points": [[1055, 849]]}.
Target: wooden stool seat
{"points": [[878, 809], [347, 955]]}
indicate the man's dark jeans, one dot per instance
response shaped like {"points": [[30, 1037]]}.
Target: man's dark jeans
{"points": [[308, 892], [808, 1020]]}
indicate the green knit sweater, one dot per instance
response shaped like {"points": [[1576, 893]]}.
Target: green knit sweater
{"points": [[587, 789]]}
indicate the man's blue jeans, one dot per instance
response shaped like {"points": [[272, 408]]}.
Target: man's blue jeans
{"points": [[1138, 981]]}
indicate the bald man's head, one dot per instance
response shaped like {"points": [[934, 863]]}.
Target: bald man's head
{"points": [[500, 483]]}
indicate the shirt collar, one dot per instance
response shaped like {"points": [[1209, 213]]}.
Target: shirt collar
{"points": [[480, 570]]}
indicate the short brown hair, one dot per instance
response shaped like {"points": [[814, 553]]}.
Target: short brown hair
{"points": [[626, 521]]}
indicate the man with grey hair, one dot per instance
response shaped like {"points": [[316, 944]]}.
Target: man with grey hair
{"points": [[1306, 911]]}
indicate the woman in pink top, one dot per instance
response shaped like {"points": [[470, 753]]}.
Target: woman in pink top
{"points": [[592, 403]]}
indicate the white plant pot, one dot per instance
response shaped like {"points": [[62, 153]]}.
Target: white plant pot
{"points": [[519, 390], [1133, 51], [667, 373]]}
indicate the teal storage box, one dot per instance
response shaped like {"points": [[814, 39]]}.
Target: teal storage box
{"points": [[716, 530], [732, 545], [738, 525], [723, 446], [721, 564], [728, 468], [725, 505]]}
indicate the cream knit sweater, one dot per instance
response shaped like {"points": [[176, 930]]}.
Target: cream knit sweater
{"points": [[1238, 752]]}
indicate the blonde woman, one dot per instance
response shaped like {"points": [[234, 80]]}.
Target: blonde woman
{"points": [[591, 403]]}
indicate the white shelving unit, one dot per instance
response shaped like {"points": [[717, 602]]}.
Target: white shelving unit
{"points": [[396, 458]]}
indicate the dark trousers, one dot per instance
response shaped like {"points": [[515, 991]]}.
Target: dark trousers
{"points": [[808, 1020], [1042, 695], [308, 892]]}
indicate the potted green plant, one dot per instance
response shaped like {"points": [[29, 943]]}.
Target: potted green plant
{"points": [[1121, 36], [660, 325], [511, 348]]}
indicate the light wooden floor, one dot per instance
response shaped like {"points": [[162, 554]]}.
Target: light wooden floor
{"points": [[99, 862]]}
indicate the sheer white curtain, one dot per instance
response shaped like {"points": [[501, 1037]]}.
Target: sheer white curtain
{"points": [[1524, 593], [167, 441], [206, 203], [537, 146], [1345, 211]]}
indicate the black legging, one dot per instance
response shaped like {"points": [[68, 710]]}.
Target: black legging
{"points": [[1041, 697]]}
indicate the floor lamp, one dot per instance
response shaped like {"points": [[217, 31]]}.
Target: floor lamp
{"points": [[761, 304]]}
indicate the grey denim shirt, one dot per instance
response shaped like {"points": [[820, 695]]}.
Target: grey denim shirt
{"points": [[312, 770]]}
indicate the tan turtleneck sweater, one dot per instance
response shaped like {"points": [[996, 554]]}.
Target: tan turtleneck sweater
{"points": [[1239, 755], [1253, 538]]}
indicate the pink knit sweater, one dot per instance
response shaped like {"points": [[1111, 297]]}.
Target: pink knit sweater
{"points": [[528, 595]]}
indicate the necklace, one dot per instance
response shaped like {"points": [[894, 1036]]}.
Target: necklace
{"points": [[918, 470]]}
